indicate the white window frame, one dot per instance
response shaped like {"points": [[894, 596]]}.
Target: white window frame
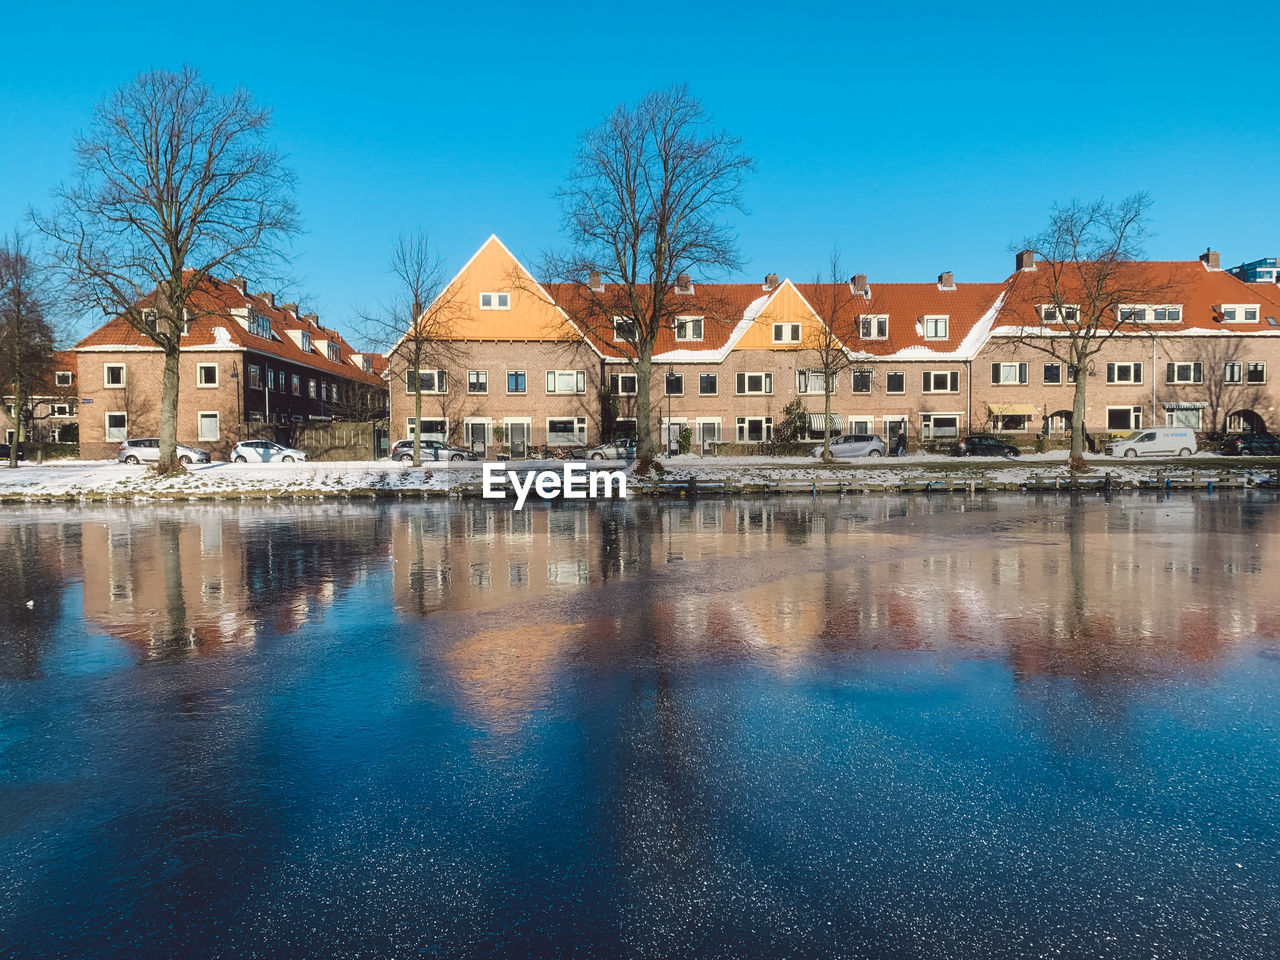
{"points": [[518, 393], [686, 324], [58, 380], [873, 326], [742, 384], [1171, 416], [1238, 312], [496, 300], [1135, 417], [1255, 365], [124, 376], [715, 381], [811, 382], [436, 373], [124, 430], [553, 381], [579, 432], [869, 373], [1057, 365], [201, 417], [950, 380], [1050, 313], [619, 324], [928, 431], [1228, 371], [1003, 376], [1134, 368], [744, 429], [482, 379], [895, 373], [666, 384], [618, 385], [440, 435], [60, 410], [939, 323], [1194, 372], [311, 388], [787, 332]]}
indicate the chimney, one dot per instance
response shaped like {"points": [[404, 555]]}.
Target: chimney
{"points": [[267, 296], [859, 283], [1211, 259], [1026, 260], [312, 318], [291, 307], [240, 284], [947, 280], [770, 281], [595, 282]]}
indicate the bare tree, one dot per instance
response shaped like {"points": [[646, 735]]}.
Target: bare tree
{"points": [[175, 181], [832, 299], [643, 211], [1076, 278], [26, 338], [418, 322]]}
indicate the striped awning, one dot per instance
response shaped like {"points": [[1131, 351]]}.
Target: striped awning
{"points": [[1184, 404], [1012, 410], [816, 424]]}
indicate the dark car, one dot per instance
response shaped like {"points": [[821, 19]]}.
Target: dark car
{"points": [[1253, 445], [980, 445], [5, 451], [431, 450]]}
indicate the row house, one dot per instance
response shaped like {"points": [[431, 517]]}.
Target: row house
{"points": [[547, 364], [248, 366], [50, 409]]}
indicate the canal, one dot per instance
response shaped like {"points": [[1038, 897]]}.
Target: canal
{"points": [[938, 727]]}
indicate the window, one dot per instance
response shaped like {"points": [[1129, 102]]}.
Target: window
{"points": [[1239, 313], [1005, 373], [811, 381], [1124, 418], [255, 377], [760, 383], [1233, 372], [259, 325], [311, 388], [1256, 373], [151, 320], [113, 374], [942, 381], [207, 422], [295, 385], [707, 385], [1167, 314], [688, 328], [1052, 373], [566, 431], [332, 348], [675, 384], [786, 333], [63, 378], [271, 379], [117, 426], [862, 383], [755, 429], [495, 301], [1184, 373], [1250, 315], [429, 381], [477, 381], [873, 326], [59, 409], [1071, 372], [1184, 418], [431, 429], [624, 329], [623, 384], [306, 341], [935, 425], [1133, 314], [566, 381], [895, 382], [1124, 373], [935, 328], [1059, 314], [516, 382]]}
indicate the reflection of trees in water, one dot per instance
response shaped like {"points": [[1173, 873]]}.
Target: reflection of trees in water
{"points": [[31, 572]]}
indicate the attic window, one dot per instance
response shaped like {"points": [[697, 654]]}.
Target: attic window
{"points": [[935, 328], [786, 333], [333, 351], [259, 325], [150, 319], [1239, 312], [624, 329], [306, 341], [873, 327], [493, 300], [1272, 322], [688, 328], [1059, 314], [63, 378]]}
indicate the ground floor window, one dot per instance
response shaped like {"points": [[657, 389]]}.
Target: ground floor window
{"points": [[861, 426], [934, 426], [1184, 418], [755, 429], [207, 425], [117, 426], [1124, 418], [625, 428], [431, 429], [566, 431], [1010, 423]]}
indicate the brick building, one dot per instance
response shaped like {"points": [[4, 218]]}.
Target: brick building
{"points": [[248, 366], [51, 413]]}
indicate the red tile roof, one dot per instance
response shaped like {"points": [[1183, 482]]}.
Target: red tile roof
{"points": [[214, 302]]}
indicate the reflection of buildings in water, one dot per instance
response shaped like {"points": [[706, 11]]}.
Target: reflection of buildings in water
{"points": [[37, 557], [196, 580]]}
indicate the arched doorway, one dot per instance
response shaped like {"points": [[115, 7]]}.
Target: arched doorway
{"points": [[1058, 423], [1245, 421]]}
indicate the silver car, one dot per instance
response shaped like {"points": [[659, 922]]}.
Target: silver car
{"points": [[264, 451], [616, 450], [430, 450], [853, 445], [147, 450]]}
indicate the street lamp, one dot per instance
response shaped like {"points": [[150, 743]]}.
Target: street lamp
{"points": [[235, 385], [670, 374]]}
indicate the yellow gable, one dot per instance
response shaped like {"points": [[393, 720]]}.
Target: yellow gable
{"points": [[787, 308], [494, 297]]}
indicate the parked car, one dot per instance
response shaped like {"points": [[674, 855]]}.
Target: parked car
{"points": [[624, 449], [264, 451], [1253, 445], [983, 445], [147, 450], [1155, 442], [5, 450], [853, 445], [431, 450]]}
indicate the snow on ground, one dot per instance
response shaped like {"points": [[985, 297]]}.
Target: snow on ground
{"points": [[75, 479]]}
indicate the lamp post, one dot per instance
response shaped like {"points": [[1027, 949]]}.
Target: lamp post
{"points": [[235, 385], [670, 374]]}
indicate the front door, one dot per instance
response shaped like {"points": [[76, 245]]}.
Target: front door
{"points": [[706, 435], [518, 437], [893, 429]]}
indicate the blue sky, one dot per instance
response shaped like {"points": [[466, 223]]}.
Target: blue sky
{"points": [[918, 138]]}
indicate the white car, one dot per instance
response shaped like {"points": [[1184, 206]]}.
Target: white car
{"points": [[264, 451], [853, 445]]}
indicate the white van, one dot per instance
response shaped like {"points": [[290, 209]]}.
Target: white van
{"points": [[1155, 442]]}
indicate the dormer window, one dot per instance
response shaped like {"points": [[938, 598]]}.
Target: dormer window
{"points": [[63, 378], [150, 320], [688, 328], [935, 328], [306, 341], [494, 300], [874, 326], [259, 325], [624, 329], [1239, 312], [1064, 313], [333, 351], [786, 333]]}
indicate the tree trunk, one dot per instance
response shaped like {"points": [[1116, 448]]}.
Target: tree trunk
{"points": [[168, 462], [826, 422], [644, 425], [417, 423], [1077, 417], [18, 401]]}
